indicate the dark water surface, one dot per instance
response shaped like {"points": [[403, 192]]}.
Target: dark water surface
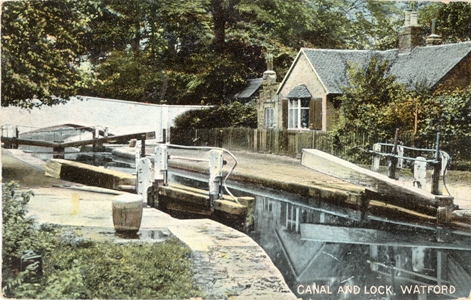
{"points": [[327, 252]]}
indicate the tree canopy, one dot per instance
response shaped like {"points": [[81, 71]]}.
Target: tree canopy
{"points": [[182, 52], [368, 102], [40, 49], [453, 20]]}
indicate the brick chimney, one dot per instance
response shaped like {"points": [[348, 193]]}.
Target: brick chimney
{"points": [[411, 35]]}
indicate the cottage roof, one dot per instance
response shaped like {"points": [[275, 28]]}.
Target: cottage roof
{"points": [[252, 86], [423, 65], [299, 92]]}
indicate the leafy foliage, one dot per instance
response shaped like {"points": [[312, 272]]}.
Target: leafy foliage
{"points": [[77, 268], [175, 52], [125, 76], [368, 103], [40, 51], [183, 52], [18, 234], [18, 230], [375, 104], [450, 114], [453, 20], [110, 271], [234, 114]]}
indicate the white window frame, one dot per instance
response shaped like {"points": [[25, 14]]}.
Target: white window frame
{"points": [[295, 113], [269, 117]]}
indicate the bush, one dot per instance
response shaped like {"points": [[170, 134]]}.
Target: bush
{"points": [[234, 114], [19, 234], [77, 268], [461, 165]]}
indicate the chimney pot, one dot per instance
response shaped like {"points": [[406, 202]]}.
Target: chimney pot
{"points": [[433, 38], [269, 60], [413, 18], [407, 18]]}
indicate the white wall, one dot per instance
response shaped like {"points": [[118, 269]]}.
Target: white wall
{"points": [[121, 117]]}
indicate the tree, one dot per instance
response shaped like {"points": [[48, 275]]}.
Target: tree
{"points": [[369, 102], [234, 114], [450, 114], [40, 52], [453, 20], [372, 25], [172, 51]]}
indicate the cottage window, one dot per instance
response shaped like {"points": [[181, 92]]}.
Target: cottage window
{"points": [[269, 117], [298, 114]]}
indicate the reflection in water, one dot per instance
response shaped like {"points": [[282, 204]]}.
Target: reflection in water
{"points": [[327, 252], [324, 256]]}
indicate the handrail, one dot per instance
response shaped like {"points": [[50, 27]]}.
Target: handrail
{"points": [[213, 148], [406, 147], [188, 158], [403, 157]]}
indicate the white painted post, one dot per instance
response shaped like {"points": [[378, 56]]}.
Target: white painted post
{"points": [[215, 174], [161, 165], [376, 157], [445, 158], [420, 167], [400, 152], [374, 257], [145, 177], [440, 168], [287, 216], [137, 152], [297, 220]]}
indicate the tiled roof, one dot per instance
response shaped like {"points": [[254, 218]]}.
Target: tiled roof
{"points": [[252, 87], [423, 65], [299, 91]]}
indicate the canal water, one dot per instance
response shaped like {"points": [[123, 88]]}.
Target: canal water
{"points": [[329, 252]]}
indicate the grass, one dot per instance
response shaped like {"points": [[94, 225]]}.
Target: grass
{"points": [[77, 267]]}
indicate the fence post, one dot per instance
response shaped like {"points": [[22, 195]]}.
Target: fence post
{"points": [[437, 165], [255, 140], [393, 159], [400, 160]]}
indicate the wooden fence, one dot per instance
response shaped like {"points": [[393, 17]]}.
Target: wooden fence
{"points": [[281, 142], [353, 147]]}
